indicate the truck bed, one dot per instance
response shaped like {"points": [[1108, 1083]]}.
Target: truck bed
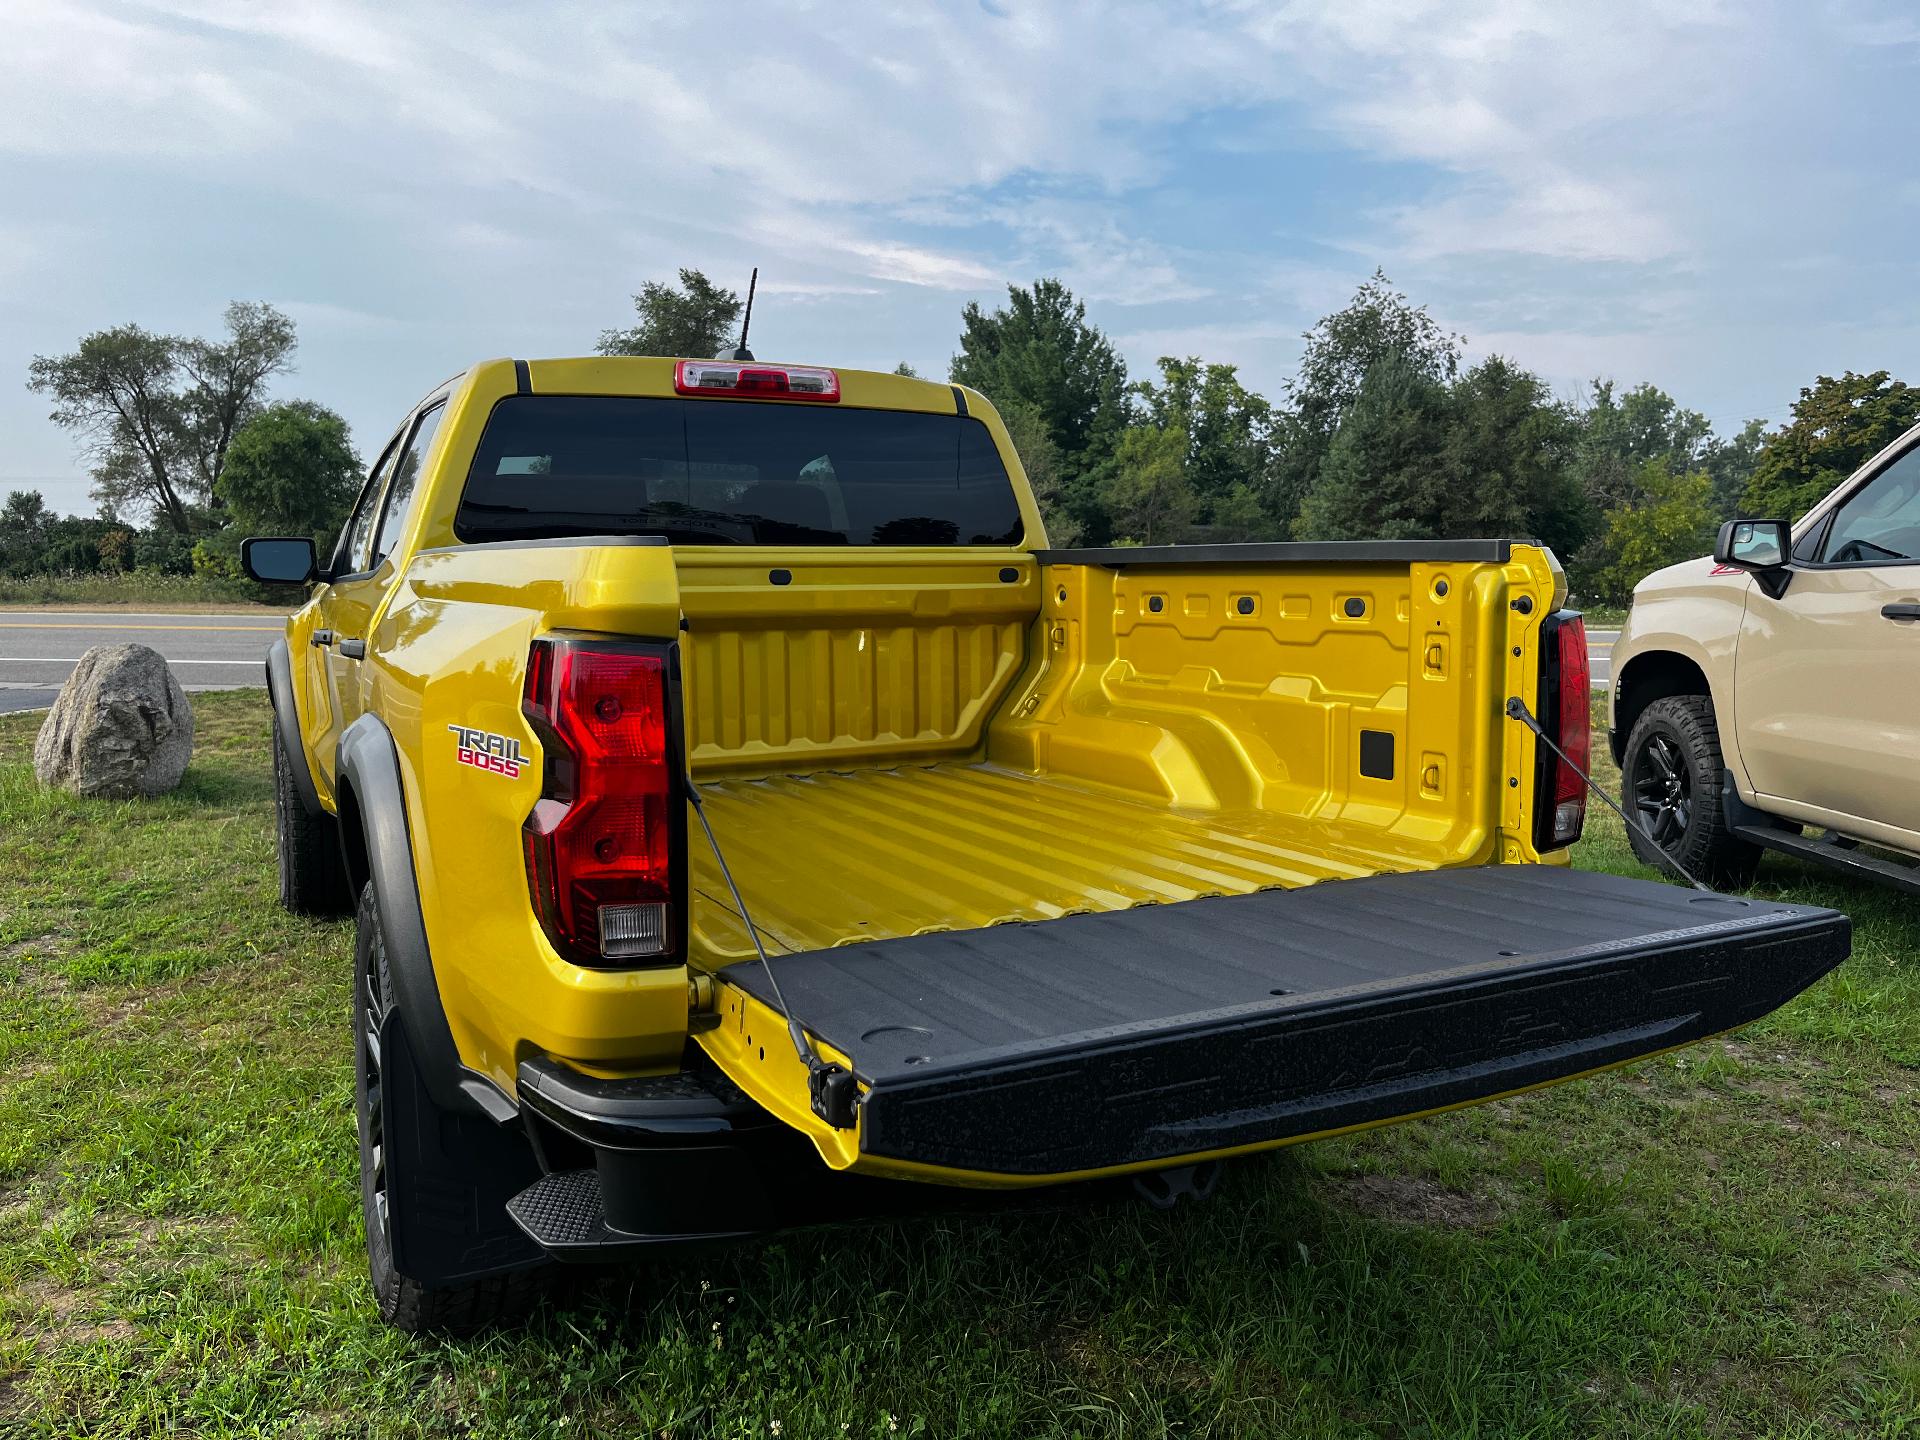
{"points": [[1170, 1030], [835, 857]]}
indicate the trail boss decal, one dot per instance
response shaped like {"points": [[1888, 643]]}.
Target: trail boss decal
{"points": [[484, 750]]}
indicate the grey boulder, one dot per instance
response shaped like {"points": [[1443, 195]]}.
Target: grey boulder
{"points": [[121, 727]]}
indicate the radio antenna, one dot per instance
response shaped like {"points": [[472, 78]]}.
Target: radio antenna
{"points": [[747, 320]]}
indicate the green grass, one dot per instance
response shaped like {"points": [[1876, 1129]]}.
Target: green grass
{"points": [[1716, 1243], [139, 588]]}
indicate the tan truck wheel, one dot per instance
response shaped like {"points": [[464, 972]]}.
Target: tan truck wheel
{"points": [[1672, 779]]}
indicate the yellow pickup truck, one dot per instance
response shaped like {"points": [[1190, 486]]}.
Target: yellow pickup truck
{"points": [[751, 821]]}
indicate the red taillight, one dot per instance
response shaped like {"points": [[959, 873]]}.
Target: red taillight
{"points": [[604, 840], [1563, 793], [729, 377]]}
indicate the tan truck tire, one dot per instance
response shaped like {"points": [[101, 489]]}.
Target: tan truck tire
{"points": [[1672, 782]]}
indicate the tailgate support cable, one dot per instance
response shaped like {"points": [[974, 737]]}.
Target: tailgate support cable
{"points": [[1517, 710], [830, 1087]]}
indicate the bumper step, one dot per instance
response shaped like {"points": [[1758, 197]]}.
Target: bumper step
{"points": [[564, 1215]]}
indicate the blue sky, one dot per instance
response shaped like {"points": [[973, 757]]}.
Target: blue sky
{"points": [[1720, 198]]}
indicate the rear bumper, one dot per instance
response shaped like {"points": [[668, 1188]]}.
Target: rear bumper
{"points": [[633, 1166]]}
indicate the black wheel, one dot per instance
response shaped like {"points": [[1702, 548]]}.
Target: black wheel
{"points": [[313, 873], [1672, 782], [405, 1303]]}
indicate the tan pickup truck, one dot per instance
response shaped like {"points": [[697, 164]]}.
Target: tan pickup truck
{"points": [[1776, 688]]}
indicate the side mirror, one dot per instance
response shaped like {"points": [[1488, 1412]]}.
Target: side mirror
{"points": [[279, 559], [1759, 547]]}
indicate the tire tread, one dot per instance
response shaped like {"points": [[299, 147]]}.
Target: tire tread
{"points": [[1710, 849]]}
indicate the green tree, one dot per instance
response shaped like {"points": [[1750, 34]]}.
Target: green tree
{"points": [[1146, 490], [290, 470], [1837, 426], [1228, 429], [1040, 459], [118, 393], [24, 521], [1040, 351], [903, 368], [696, 321], [225, 381], [1670, 520], [1240, 514], [1730, 464], [1511, 446], [1620, 435], [1342, 351], [155, 414], [1386, 474]]}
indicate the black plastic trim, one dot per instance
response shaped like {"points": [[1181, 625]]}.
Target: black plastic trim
{"points": [[1847, 858], [449, 1176], [369, 768], [557, 542], [1290, 552], [959, 400], [522, 378], [637, 1112], [286, 719]]}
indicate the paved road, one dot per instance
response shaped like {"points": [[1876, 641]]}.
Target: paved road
{"points": [[1599, 646], [38, 648]]}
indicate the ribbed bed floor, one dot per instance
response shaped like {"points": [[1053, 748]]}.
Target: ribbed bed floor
{"points": [[827, 858]]}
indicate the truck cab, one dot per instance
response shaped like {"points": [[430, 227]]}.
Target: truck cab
{"points": [[750, 819], [1774, 689]]}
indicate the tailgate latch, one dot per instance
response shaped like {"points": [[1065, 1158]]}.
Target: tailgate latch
{"points": [[832, 1090]]}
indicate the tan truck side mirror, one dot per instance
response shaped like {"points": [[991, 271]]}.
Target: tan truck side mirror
{"points": [[1759, 547]]}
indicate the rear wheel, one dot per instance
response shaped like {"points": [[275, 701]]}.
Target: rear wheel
{"points": [[1672, 782], [406, 1303], [313, 873]]}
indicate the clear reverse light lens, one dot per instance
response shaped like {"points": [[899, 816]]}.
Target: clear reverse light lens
{"points": [[629, 931]]}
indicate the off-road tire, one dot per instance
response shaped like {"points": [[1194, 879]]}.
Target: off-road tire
{"points": [[1673, 782], [405, 1303], [313, 872]]}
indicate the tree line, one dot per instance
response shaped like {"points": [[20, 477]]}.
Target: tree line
{"points": [[1383, 431], [186, 454]]}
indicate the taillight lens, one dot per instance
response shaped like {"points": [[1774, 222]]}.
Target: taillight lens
{"points": [[1566, 692], [742, 380], [606, 838]]}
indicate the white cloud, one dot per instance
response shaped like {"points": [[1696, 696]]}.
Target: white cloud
{"points": [[1612, 180]]}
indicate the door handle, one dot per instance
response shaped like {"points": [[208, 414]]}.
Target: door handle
{"points": [[354, 649], [1906, 610], [322, 638]]}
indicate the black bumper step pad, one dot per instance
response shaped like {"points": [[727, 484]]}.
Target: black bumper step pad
{"points": [[1158, 1032]]}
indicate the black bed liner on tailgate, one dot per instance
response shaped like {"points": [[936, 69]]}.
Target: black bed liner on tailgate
{"points": [[1161, 1031]]}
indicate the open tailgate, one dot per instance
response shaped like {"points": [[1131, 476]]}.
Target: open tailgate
{"points": [[1135, 1038]]}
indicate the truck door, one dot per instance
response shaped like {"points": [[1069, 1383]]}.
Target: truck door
{"points": [[369, 552], [1827, 676]]}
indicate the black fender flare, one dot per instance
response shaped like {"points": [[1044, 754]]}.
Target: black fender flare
{"points": [[371, 798], [286, 720]]}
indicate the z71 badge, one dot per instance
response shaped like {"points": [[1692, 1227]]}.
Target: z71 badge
{"points": [[484, 750]]}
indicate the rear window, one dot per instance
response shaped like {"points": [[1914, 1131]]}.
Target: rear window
{"points": [[719, 472]]}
